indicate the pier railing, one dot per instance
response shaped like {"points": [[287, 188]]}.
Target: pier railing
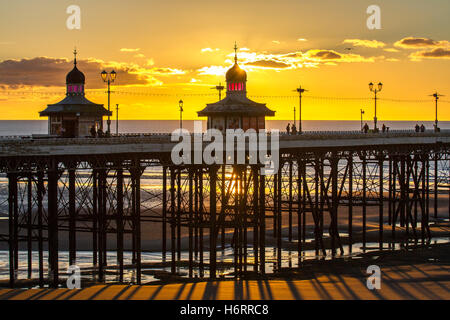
{"points": [[124, 138]]}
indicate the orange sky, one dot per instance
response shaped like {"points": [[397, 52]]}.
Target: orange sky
{"points": [[167, 50]]}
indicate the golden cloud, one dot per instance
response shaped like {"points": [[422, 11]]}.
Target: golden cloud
{"points": [[437, 53], [416, 42], [365, 43]]}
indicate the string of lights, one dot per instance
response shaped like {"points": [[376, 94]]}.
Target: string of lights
{"points": [[153, 94]]}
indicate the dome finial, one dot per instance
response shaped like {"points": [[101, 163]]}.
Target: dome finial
{"points": [[75, 56], [235, 52]]}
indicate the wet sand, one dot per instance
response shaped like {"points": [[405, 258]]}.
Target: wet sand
{"points": [[421, 273]]}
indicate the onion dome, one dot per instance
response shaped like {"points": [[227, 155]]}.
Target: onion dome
{"points": [[236, 74], [75, 76]]}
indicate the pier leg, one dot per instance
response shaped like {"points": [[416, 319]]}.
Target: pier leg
{"points": [[30, 225], [53, 223], [381, 201], [119, 220], [279, 221], [299, 210], [364, 202], [137, 218], [178, 220], [255, 216], [164, 214], [200, 185], [436, 181], [172, 220], [190, 222], [72, 218], [94, 217], [262, 224], [212, 232], [350, 202], [40, 195], [12, 204], [291, 200]]}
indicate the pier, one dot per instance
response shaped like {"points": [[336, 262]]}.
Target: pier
{"points": [[93, 186]]}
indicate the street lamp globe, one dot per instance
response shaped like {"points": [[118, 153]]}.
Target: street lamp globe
{"points": [[180, 103], [113, 75], [104, 75], [380, 86], [371, 86]]}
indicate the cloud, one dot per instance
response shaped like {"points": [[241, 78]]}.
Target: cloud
{"points": [[414, 43], [51, 72], [209, 50], [437, 53], [324, 54], [286, 61], [268, 64], [301, 39], [365, 43], [276, 41], [139, 55], [391, 50], [129, 50], [213, 70]]}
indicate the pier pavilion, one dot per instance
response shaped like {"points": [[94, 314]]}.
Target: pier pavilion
{"points": [[74, 116], [236, 110]]}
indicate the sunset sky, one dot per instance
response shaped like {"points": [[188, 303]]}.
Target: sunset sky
{"points": [[167, 50]]}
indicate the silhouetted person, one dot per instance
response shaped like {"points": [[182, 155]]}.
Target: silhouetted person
{"points": [[383, 128], [417, 128], [93, 133], [294, 129], [100, 133], [422, 128], [288, 128], [366, 128]]}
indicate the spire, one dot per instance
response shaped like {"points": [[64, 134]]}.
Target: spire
{"points": [[75, 56], [235, 52]]}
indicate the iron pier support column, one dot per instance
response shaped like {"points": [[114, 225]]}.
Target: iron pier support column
{"points": [[12, 205], [119, 220], [72, 217], [350, 202], [40, 210], [53, 223], [212, 231]]}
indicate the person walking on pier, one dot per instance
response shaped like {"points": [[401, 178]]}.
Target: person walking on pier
{"points": [[383, 128], [294, 129], [366, 128], [93, 133], [100, 133], [288, 128], [417, 128], [422, 128]]}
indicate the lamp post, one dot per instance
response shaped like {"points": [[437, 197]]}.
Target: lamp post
{"points": [[219, 88], [362, 112], [294, 114], [300, 90], [375, 91], [436, 98], [109, 78], [180, 104], [117, 119]]}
